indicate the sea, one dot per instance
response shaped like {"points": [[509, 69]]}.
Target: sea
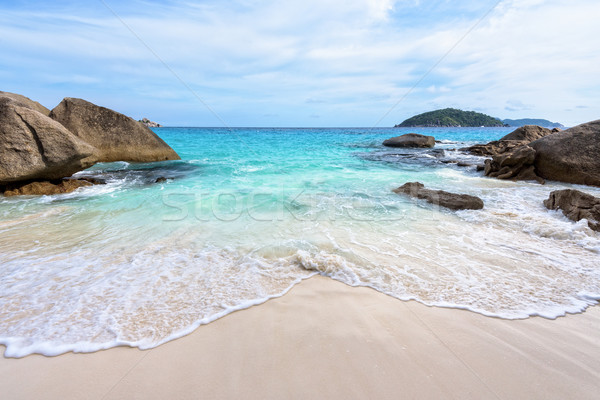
{"points": [[247, 213]]}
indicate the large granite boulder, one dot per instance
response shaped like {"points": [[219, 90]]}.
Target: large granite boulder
{"points": [[114, 136], [527, 133], [449, 200], [410, 140], [26, 102], [515, 165], [572, 155], [576, 205], [520, 136], [33, 146]]}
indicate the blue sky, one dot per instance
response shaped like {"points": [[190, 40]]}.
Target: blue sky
{"points": [[306, 62]]}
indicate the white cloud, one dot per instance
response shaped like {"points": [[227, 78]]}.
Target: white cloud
{"points": [[347, 61], [380, 9]]}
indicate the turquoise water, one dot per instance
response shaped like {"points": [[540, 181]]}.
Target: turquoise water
{"points": [[248, 213]]}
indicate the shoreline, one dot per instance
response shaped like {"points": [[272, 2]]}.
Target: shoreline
{"points": [[326, 339]]}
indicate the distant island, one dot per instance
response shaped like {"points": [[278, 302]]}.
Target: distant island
{"points": [[532, 121], [451, 117]]}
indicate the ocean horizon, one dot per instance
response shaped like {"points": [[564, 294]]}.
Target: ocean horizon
{"points": [[247, 213]]}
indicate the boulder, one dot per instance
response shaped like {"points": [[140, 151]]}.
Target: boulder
{"points": [[527, 133], [520, 136], [410, 140], [39, 188], [515, 165], [33, 146], [114, 136], [449, 200], [576, 205], [26, 102], [572, 155]]}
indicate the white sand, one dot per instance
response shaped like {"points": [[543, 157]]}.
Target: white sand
{"points": [[327, 340]]}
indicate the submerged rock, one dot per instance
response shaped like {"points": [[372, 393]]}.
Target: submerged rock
{"points": [[576, 206], [39, 188], [410, 140], [114, 136], [572, 155], [35, 147], [449, 200]]}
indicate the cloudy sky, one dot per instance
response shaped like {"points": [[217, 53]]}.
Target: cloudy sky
{"points": [[306, 62]]}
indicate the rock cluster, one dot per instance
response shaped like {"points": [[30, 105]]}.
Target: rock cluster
{"points": [[41, 145], [449, 200], [576, 205], [572, 155]]}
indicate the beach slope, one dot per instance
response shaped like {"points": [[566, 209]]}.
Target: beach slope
{"points": [[328, 340]]}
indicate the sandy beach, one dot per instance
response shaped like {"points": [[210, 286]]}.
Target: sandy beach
{"points": [[325, 339]]}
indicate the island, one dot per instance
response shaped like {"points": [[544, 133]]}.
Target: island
{"points": [[532, 121], [451, 117]]}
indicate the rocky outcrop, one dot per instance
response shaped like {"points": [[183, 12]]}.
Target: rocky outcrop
{"points": [[26, 102], [39, 188], [576, 205], [33, 146], [410, 140], [518, 137], [449, 200], [114, 136], [572, 155], [39, 147], [150, 124], [514, 165]]}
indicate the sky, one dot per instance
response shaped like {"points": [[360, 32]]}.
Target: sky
{"points": [[306, 63]]}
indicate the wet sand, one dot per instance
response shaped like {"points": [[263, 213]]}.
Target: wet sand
{"points": [[328, 340]]}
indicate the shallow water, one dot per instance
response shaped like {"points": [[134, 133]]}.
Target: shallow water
{"points": [[247, 213]]}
